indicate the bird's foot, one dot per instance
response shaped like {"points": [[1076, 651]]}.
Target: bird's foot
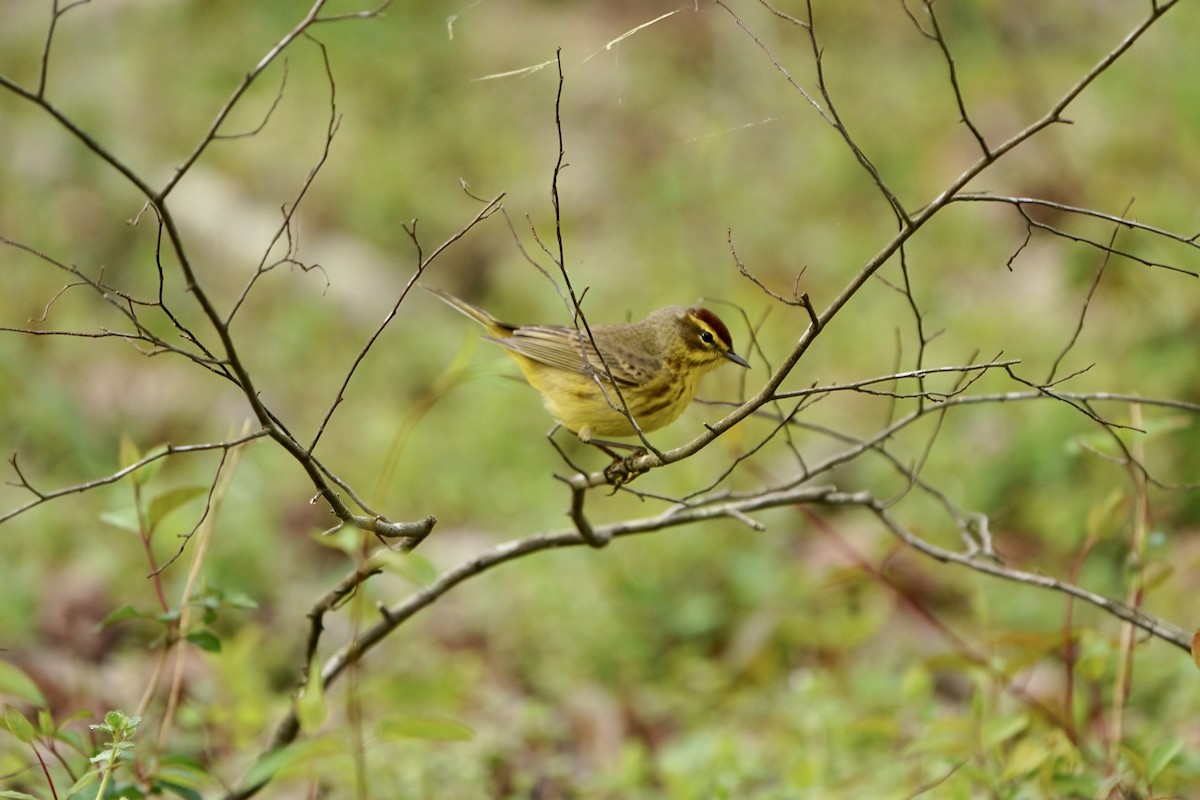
{"points": [[622, 470]]}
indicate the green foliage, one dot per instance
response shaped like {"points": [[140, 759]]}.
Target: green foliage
{"points": [[811, 660], [15, 683]]}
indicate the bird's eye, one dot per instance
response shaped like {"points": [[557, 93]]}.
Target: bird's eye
{"points": [[706, 337]]}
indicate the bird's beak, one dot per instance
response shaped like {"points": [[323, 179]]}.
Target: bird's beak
{"points": [[735, 358]]}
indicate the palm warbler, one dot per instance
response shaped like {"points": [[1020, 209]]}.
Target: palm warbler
{"points": [[657, 364]]}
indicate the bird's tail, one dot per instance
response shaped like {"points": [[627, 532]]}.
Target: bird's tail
{"points": [[494, 326]]}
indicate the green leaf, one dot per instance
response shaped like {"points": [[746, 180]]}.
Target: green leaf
{"points": [[346, 538], [104, 757], [115, 720], [310, 703], [172, 499], [18, 726], [411, 727], [301, 754], [125, 612], [186, 792], [128, 453], [997, 732], [17, 795], [15, 683], [1026, 756], [236, 599], [1161, 756], [1134, 759], [85, 780], [126, 519], [126, 791], [205, 640], [413, 566], [1105, 518], [179, 772], [72, 738]]}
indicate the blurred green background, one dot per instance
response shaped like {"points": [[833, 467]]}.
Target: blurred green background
{"points": [[816, 659]]}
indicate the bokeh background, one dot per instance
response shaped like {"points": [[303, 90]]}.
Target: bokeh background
{"points": [[815, 659]]}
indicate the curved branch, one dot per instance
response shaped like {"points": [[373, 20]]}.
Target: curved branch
{"points": [[1168, 632], [909, 227], [392, 616], [170, 450]]}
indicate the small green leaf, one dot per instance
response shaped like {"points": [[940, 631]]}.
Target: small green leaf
{"points": [[126, 791], [72, 739], [997, 732], [1026, 756], [128, 453], [236, 599], [119, 723], [181, 771], [1161, 756], [18, 726], [186, 792], [413, 566], [346, 538], [126, 519], [125, 612], [411, 727], [11, 795], [172, 499], [301, 754], [1104, 518], [310, 703], [15, 683], [1133, 759], [205, 640], [104, 757], [85, 780]]}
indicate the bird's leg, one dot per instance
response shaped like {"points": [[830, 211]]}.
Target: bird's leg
{"points": [[620, 471]]}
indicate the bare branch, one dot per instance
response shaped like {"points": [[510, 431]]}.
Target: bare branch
{"points": [[1087, 301], [257, 129], [914, 374], [797, 299], [1031, 224], [210, 135], [57, 11], [738, 509], [775, 61], [289, 210], [940, 38], [490, 208], [393, 616], [986, 197], [169, 450], [1159, 628]]}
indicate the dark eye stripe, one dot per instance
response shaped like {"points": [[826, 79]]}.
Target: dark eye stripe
{"points": [[718, 328]]}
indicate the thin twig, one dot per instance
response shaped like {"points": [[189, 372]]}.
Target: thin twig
{"points": [[169, 450]]}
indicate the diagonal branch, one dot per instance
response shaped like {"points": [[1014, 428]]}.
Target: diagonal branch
{"points": [[170, 450]]}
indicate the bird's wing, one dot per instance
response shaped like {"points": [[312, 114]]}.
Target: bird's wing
{"points": [[561, 348]]}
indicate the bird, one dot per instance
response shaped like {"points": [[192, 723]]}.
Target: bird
{"points": [[656, 364]]}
